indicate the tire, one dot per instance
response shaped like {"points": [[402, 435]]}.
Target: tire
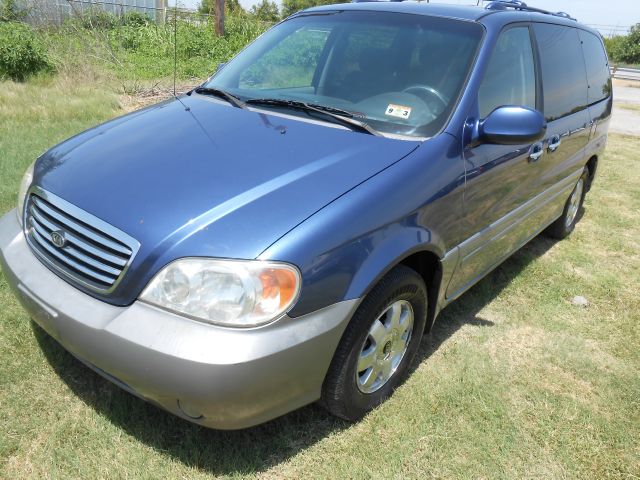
{"points": [[349, 394], [564, 225]]}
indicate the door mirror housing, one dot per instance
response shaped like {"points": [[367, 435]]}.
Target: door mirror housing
{"points": [[512, 125], [220, 66]]}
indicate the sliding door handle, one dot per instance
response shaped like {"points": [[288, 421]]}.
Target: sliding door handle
{"points": [[554, 143], [537, 149]]}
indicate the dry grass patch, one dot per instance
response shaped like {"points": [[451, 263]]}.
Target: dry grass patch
{"points": [[629, 106]]}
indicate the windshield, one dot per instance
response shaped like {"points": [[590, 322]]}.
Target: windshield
{"points": [[399, 73]]}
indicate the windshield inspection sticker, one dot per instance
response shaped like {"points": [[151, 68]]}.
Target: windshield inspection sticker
{"points": [[398, 111]]}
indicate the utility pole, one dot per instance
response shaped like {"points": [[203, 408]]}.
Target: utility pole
{"points": [[219, 17]]}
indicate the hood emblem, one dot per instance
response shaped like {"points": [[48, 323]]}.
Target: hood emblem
{"points": [[58, 238]]}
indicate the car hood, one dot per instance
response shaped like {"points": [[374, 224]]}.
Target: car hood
{"points": [[198, 177]]}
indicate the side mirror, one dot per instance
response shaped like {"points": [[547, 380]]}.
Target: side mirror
{"points": [[512, 125], [220, 66]]}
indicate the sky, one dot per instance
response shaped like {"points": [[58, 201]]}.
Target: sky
{"points": [[608, 16]]}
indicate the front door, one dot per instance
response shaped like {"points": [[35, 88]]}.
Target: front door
{"points": [[501, 180]]}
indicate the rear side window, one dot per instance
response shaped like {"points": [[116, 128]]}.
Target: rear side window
{"points": [[595, 59], [564, 80], [510, 78]]}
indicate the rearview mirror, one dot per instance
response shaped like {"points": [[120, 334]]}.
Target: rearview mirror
{"points": [[512, 125]]}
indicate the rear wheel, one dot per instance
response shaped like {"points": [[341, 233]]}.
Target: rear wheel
{"points": [[377, 348], [564, 225]]}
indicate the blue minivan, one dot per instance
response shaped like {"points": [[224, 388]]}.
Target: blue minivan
{"points": [[286, 232]]}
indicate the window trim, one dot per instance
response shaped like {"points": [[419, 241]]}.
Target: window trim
{"points": [[584, 64], [586, 71], [537, 74]]}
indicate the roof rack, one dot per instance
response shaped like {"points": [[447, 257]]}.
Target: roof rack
{"points": [[519, 5]]}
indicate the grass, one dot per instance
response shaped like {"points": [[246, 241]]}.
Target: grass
{"points": [[514, 381], [37, 115], [144, 54]]}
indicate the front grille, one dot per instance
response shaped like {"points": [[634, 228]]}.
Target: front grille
{"points": [[76, 244]]}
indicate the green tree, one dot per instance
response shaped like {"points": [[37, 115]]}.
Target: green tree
{"points": [[230, 7], [266, 11], [289, 7], [625, 48], [629, 48], [612, 45], [22, 53]]}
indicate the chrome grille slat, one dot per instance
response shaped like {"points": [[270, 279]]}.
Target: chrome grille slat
{"points": [[76, 254], [75, 244], [78, 228], [78, 242], [96, 276]]}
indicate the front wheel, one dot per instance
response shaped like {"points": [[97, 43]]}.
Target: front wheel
{"points": [[376, 350], [564, 225]]}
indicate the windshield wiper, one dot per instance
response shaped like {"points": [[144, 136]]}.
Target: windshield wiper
{"points": [[339, 111], [232, 99], [338, 115]]}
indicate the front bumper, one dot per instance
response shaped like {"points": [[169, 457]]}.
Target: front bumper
{"points": [[218, 377]]}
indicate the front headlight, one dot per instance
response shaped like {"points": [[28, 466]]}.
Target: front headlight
{"points": [[27, 178], [235, 293]]}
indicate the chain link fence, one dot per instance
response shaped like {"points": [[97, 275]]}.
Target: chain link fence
{"points": [[56, 12]]}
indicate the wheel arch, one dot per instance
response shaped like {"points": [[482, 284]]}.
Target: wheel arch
{"points": [[425, 259], [429, 267]]}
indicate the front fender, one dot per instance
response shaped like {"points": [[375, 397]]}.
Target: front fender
{"points": [[396, 243], [343, 249]]}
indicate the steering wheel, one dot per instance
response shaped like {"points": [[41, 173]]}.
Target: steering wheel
{"points": [[419, 90]]}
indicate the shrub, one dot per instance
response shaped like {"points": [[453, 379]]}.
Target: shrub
{"points": [[231, 7], [612, 45], [194, 40], [625, 48], [135, 19], [97, 18], [146, 52], [266, 11], [629, 48], [21, 52]]}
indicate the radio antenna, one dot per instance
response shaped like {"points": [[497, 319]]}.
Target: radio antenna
{"points": [[175, 54], [175, 45]]}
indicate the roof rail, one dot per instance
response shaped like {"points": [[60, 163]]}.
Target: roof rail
{"points": [[519, 5]]}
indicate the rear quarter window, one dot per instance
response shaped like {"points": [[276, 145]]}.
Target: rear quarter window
{"points": [[597, 65], [564, 80]]}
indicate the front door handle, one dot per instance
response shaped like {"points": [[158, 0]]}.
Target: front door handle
{"points": [[537, 149], [554, 143]]}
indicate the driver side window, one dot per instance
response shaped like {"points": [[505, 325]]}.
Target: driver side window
{"points": [[510, 77]]}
